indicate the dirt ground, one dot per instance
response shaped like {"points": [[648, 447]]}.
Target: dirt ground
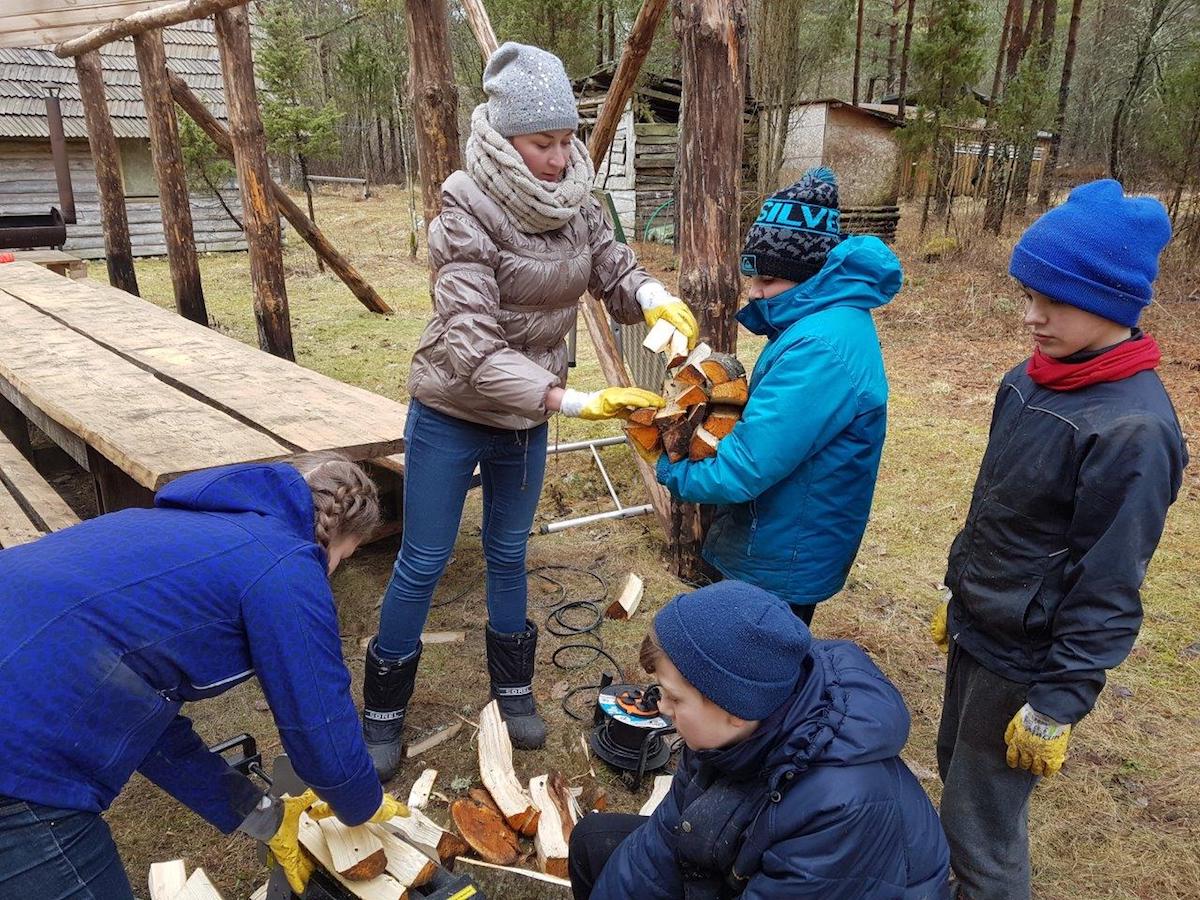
{"points": [[1122, 820]]}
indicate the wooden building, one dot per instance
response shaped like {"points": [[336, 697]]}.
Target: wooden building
{"points": [[859, 144], [639, 168], [27, 181]]}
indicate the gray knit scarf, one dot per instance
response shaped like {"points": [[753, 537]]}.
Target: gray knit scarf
{"points": [[534, 205]]}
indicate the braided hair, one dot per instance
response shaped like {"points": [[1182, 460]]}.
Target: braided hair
{"points": [[345, 499]]}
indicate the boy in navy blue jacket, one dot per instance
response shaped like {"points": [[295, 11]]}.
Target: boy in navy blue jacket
{"points": [[791, 785], [1084, 457]]}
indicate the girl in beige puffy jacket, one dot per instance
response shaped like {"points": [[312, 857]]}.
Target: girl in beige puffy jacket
{"points": [[519, 239]]}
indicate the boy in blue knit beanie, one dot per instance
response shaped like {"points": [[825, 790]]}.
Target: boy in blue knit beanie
{"points": [[1084, 457], [794, 480], [790, 785]]}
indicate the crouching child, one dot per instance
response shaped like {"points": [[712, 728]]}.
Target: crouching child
{"points": [[1084, 457], [790, 785]]}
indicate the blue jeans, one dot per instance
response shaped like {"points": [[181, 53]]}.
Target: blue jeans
{"points": [[440, 456], [55, 854]]}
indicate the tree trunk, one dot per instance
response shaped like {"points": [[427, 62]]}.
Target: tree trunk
{"points": [[173, 198], [908, 27], [985, 145], [612, 30], [600, 36], [114, 220], [858, 29], [260, 218], [1060, 114], [893, 46], [1116, 148], [308, 196], [434, 99], [712, 37], [1045, 46]]}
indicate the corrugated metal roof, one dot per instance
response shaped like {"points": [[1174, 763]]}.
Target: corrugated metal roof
{"points": [[25, 71]]}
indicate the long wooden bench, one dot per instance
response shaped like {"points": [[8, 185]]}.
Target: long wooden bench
{"points": [[29, 505]]}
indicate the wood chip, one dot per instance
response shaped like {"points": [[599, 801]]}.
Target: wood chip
{"points": [[662, 786], [443, 637], [514, 884], [416, 748], [167, 879], [418, 795], [658, 339], [627, 602]]}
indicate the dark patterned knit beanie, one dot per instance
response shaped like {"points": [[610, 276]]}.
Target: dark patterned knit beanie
{"points": [[795, 230]]}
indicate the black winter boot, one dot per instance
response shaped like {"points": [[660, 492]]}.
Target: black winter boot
{"points": [[511, 659], [387, 687]]}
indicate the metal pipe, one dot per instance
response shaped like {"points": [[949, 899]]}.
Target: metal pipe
{"points": [[612, 491], [58, 149], [628, 512], [584, 445]]}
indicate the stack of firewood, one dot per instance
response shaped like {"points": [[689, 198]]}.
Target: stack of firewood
{"points": [[705, 393]]}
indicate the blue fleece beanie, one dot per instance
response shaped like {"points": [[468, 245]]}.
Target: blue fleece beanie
{"points": [[1098, 251], [738, 645]]}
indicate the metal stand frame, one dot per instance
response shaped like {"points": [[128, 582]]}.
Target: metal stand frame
{"points": [[620, 512]]}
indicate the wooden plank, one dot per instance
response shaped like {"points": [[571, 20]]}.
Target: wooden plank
{"points": [[418, 795], [55, 260], [382, 887], [260, 219], [48, 510], [514, 884], [15, 526], [69, 443], [167, 879], [173, 195], [662, 787], [355, 851], [496, 772], [147, 429], [416, 748], [298, 408]]}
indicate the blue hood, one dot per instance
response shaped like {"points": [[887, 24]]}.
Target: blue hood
{"points": [[273, 490], [861, 273]]}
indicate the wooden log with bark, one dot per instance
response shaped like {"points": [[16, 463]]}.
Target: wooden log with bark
{"points": [[627, 601], [496, 772], [357, 854], [382, 887], [485, 830]]}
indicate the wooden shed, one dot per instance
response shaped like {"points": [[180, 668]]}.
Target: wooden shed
{"points": [[859, 144], [27, 178], [639, 169]]}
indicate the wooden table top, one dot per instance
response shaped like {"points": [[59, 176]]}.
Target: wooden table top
{"points": [[158, 395]]}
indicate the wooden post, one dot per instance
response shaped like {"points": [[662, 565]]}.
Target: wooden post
{"points": [[198, 112], [118, 253], [173, 198], [259, 215], [481, 27], [434, 99], [712, 43]]}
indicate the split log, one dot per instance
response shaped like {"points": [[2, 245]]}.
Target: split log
{"points": [[199, 887], [496, 772], [357, 854], [418, 796], [512, 883], [680, 393], [627, 603], [167, 879], [703, 445], [677, 351], [646, 439], [732, 393], [721, 420], [554, 827], [403, 862], [421, 831], [677, 440], [720, 368], [483, 798], [486, 831], [313, 236], [382, 887], [658, 338], [416, 748], [662, 787]]}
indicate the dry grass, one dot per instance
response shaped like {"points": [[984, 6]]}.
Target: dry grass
{"points": [[1122, 821]]}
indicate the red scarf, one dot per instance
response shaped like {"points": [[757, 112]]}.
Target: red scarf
{"points": [[1125, 359]]}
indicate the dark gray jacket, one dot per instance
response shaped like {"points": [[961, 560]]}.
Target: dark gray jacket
{"points": [[1068, 508]]}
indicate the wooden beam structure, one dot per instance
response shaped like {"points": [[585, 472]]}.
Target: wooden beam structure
{"points": [[434, 99], [173, 197], [712, 35], [260, 218], [114, 219], [219, 135], [140, 22]]}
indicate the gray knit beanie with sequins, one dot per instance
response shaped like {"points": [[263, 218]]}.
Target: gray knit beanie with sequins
{"points": [[528, 91]]}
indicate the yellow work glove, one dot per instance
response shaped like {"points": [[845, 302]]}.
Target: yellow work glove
{"points": [[937, 626], [388, 809], [1036, 742], [610, 403], [285, 845], [677, 313]]}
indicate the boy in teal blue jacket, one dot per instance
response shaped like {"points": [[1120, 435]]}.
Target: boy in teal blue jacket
{"points": [[794, 479]]}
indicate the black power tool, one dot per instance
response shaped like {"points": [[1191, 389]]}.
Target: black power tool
{"points": [[629, 729]]}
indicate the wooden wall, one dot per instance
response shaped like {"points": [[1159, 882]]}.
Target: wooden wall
{"points": [[862, 150], [27, 185]]}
